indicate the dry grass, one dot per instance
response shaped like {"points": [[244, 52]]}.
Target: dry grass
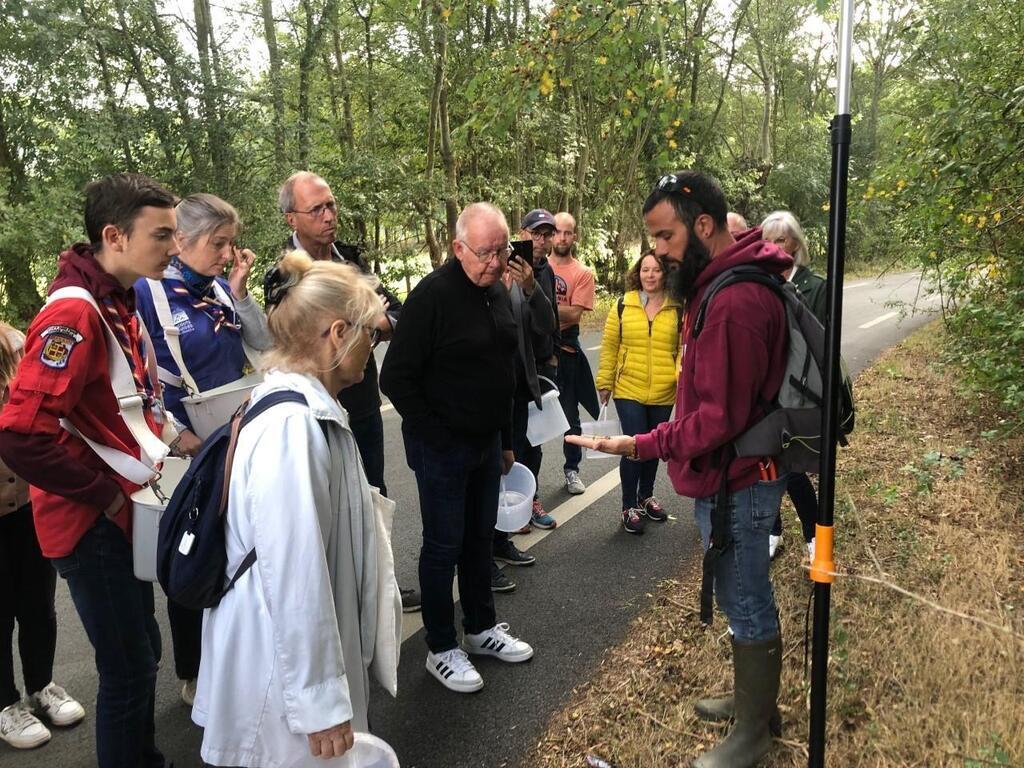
{"points": [[927, 499]]}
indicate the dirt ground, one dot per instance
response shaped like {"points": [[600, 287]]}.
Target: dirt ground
{"points": [[930, 501]]}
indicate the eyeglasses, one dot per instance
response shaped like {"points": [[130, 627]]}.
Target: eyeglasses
{"points": [[671, 183], [317, 211], [372, 330], [542, 235], [486, 256]]}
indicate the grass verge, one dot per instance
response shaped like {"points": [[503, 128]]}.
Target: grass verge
{"points": [[929, 498]]}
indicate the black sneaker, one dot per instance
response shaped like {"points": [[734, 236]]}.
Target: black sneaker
{"points": [[410, 600], [499, 581], [507, 552], [632, 521], [652, 510]]}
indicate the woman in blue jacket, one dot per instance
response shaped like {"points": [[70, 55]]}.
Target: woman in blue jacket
{"points": [[205, 331]]}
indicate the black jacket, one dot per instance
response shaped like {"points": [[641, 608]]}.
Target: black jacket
{"points": [[450, 368], [535, 323], [544, 346], [812, 288], [363, 399]]}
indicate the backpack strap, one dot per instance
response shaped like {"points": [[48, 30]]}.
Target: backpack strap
{"points": [[243, 416], [173, 338]]}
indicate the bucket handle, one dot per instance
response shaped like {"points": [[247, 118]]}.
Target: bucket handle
{"points": [[554, 386]]}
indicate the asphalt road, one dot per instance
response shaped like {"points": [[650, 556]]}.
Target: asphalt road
{"points": [[590, 581]]}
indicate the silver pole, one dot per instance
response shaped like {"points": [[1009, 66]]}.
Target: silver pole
{"points": [[845, 70]]}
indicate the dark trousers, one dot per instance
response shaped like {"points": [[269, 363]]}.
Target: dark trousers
{"points": [[801, 493], [568, 372], [638, 476], [27, 584], [116, 610], [458, 489], [187, 639], [368, 432]]}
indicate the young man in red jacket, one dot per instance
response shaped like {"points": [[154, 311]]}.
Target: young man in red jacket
{"points": [[733, 367], [63, 392]]}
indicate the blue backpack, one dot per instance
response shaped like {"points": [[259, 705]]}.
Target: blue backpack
{"points": [[191, 550]]}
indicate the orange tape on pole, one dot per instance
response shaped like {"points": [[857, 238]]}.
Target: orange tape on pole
{"points": [[823, 567]]}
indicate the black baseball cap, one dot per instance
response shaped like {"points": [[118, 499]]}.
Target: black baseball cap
{"points": [[538, 217]]}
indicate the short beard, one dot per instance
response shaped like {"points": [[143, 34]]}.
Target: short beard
{"points": [[681, 281], [563, 251]]}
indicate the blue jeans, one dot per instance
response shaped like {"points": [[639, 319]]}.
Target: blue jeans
{"points": [[458, 487], [638, 476], [743, 588], [116, 610], [369, 436]]}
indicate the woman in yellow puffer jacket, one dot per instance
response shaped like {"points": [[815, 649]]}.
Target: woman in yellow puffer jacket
{"points": [[639, 366]]}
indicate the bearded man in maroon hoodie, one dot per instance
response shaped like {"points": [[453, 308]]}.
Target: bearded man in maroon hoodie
{"points": [[729, 372], [62, 397]]}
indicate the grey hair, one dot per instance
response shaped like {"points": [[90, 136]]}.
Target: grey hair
{"points": [[474, 211], [784, 223], [286, 193], [202, 214]]}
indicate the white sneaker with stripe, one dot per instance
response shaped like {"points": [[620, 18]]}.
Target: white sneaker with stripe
{"points": [[455, 671], [497, 642]]}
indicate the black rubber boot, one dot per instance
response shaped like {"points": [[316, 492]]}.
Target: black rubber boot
{"points": [[756, 668]]}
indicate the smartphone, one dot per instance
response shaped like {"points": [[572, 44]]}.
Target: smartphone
{"points": [[522, 250]]}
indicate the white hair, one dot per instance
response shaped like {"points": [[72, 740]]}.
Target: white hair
{"points": [[475, 211], [784, 224]]}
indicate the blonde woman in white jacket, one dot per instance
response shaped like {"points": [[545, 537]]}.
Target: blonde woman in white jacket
{"points": [[284, 677]]}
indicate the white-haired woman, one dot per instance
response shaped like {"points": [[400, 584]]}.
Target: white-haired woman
{"points": [[286, 652], [200, 324], [783, 229]]}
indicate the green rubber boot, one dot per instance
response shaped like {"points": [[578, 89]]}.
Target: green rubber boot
{"points": [[722, 709], [756, 668]]}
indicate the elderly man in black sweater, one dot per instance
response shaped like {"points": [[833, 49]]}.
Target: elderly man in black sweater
{"points": [[450, 373]]}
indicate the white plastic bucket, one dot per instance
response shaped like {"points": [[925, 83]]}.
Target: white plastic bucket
{"points": [[147, 506], [603, 427], [367, 751], [548, 422], [515, 499], [214, 408]]}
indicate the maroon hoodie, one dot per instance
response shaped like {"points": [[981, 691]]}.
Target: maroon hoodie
{"points": [[735, 364]]}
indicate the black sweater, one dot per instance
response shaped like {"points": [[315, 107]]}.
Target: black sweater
{"points": [[450, 368]]}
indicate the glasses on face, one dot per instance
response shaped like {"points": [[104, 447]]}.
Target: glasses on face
{"points": [[317, 211], [485, 256], [372, 330], [542, 235]]}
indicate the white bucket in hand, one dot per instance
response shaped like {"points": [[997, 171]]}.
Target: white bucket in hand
{"points": [[548, 422], [367, 751], [148, 504], [515, 498], [603, 427], [214, 408]]}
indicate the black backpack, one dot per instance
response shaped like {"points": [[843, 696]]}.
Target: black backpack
{"points": [[790, 430], [191, 550]]}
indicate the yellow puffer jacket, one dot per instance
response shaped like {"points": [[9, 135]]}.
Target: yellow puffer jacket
{"points": [[643, 366]]}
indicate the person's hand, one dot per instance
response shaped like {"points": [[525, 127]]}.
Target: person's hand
{"points": [[621, 445], [507, 460], [332, 742], [241, 266], [522, 273], [115, 507], [604, 395], [186, 444]]}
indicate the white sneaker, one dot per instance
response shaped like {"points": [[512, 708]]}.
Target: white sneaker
{"points": [[810, 550], [774, 542], [573, 484], [54, 703], [20, 728], [188, 692], [455, 671], [497, 642]]}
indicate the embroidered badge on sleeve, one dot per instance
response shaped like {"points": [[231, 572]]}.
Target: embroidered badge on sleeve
{"points": [[59, 340]]}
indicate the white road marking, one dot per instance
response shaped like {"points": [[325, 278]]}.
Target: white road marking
{"points": [[387, 407], [563, 513], [857, 285], [878, 320], [593, 349]]}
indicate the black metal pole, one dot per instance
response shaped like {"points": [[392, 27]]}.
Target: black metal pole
{"points": [[823, 565]]}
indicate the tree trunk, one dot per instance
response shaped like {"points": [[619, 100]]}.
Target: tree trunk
{"points": [[276, 89], [211, 114], [427, 210]]}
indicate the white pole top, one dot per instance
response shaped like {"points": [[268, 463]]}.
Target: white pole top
{"points": [[844, 75]]}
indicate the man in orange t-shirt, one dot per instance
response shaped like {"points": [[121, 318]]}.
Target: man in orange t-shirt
{"points": [[574, 291]]}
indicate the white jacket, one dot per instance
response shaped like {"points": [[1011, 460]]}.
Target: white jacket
{"points": [[286, 652]]}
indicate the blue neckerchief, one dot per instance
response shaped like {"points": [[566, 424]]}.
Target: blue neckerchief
{"points": [[198, 285]]}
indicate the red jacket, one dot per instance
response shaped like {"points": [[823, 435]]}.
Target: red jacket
{"points": [[64, 374], [737, 362]]}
